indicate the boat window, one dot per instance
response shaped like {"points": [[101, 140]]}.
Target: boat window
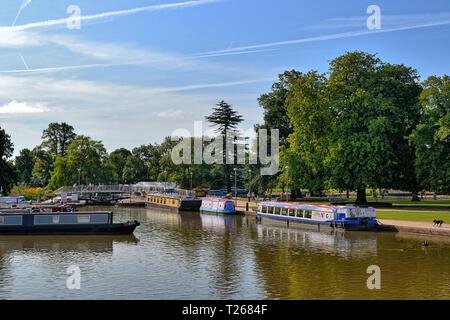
{"points": [[284, 211], [277, 211], [308, 214], [84, 218], [55, 219], [292, 212]]}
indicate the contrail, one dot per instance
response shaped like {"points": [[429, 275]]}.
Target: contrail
{"points": [[25, 3], [129, 63], [111, 14], [333, 37]]}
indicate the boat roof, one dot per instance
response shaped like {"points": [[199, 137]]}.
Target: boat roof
{"points": [[303, 206], [11, 199]]}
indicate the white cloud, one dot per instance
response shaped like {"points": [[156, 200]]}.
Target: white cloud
{"points": [[15, 107], [118, 114], [170, 113]]}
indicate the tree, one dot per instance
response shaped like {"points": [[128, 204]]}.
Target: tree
{"points": [[118, 159], [57, 137], [87, 158], [43, 166], [311, 119], [61, 175], [7, 170], [24, 163], [431, 137], [226, 120], [373, 110], [276, 117]]}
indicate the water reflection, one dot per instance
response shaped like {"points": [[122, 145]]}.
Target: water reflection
{"points": [[346, 245], [200, 256], [74, 244]]}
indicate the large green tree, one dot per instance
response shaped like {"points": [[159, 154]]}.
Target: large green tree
{"points": [[117, 160], [226, 120], [431, 137], [57, 137], [373, 110], [309, 113], [7, 170], [24, 163]]}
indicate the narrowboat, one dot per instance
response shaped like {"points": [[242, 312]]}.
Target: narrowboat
{"points": [[319, 217], [174, 202], [218, 205], [82, 223], [13, 203]]}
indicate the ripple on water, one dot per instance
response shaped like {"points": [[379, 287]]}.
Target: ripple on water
{"points": [[193, 256]]}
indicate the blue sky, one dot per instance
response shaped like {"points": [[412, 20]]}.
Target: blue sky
{"points": [[137, 70]]}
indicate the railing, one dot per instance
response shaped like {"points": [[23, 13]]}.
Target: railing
{"points": [[119, 188], [97, 189]]}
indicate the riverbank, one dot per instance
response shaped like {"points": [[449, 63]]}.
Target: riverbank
{"points": [[414, 227]]}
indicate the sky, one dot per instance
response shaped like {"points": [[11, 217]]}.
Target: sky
{"points": [[130, 72]]}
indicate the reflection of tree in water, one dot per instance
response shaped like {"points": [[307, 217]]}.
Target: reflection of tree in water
{"points": [[226, 244], [317, 268]]}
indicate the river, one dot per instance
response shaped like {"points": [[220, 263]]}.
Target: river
{"points": [[193, 256]]}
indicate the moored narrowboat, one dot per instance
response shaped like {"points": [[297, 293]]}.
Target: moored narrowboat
{"points": [[218, 205], [320, 216], [173, 202], [81, 223]]}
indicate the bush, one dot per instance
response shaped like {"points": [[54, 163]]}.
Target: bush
{"points": [[29, 193]]}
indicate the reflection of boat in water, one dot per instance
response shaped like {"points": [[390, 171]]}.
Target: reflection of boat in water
{"points": [[72, 244], [343, 244], [319, 217], [217, 222]]}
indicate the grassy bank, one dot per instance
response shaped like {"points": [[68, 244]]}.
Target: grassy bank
{"points": [[413, 216]]}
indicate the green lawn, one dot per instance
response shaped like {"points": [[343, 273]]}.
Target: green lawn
{"points": [[414, 216]]}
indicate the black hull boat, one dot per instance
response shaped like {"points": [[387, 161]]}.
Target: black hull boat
{"points": [[80, 223]]}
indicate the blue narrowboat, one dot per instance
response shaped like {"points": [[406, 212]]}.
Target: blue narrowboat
{"points": [[80, 223], [320, 216], [218, 205]]}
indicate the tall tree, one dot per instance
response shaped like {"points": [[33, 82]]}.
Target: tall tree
{"points": [[24, 163], [431, 137], [43, 166], [275, 106], [7, 170], [373, 111], [226, 120], [88, 157], [118, 159], [57, 137], [309, 113]]}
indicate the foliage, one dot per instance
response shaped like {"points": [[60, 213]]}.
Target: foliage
{"points": [[7, 170], [431, 137], [28, 193], [225, 119], [24, 164]]}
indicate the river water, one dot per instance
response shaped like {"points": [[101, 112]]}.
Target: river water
{"points": [[193, 256]]}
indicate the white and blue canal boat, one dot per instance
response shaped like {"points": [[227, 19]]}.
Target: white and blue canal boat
{"points": [[218, 206], [319, 216]]}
